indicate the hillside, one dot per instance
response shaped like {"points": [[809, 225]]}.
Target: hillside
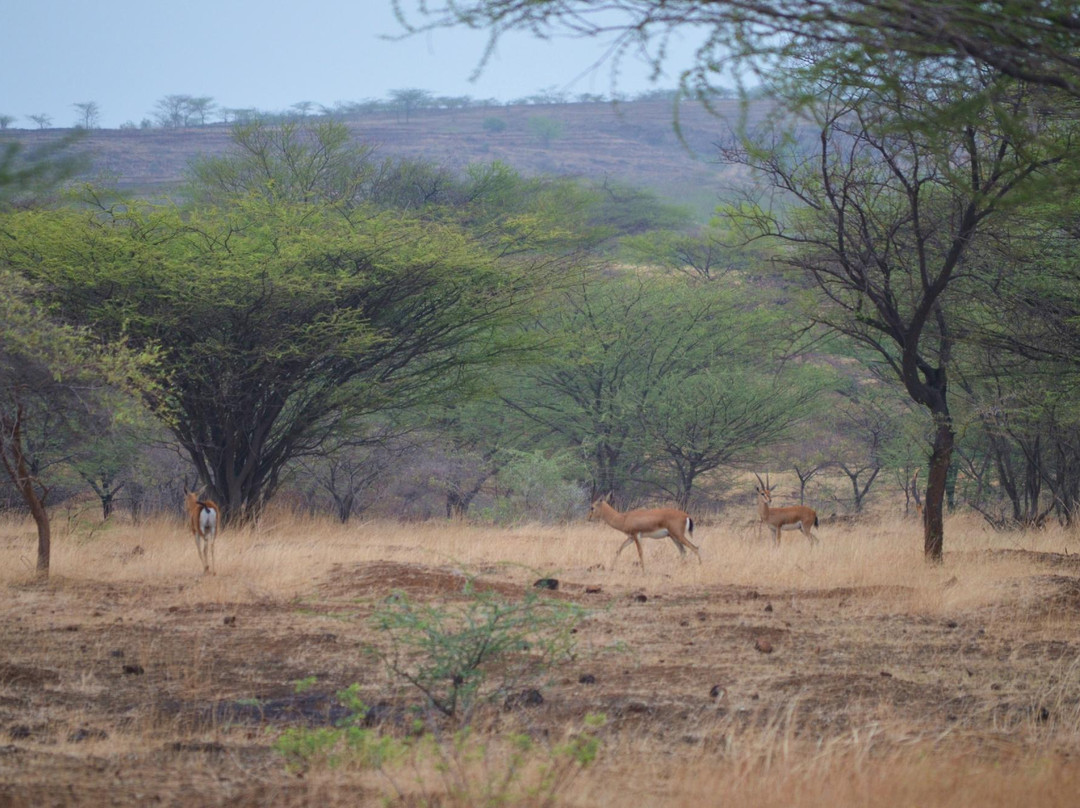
{"points": [[635, 143]]}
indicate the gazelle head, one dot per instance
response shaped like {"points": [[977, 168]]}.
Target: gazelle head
{"points": [[595, 508], [763, 488]]}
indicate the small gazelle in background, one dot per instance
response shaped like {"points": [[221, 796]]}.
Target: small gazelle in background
{"points": [[793, 517]]}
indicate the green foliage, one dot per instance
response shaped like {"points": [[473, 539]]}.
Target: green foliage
{"points": [[57, 385], [461, 657], [540, 485], [457, 658], [657, 381], [28, 175], [282, 322], [349, 743], [467, 769], [545, 129], [494, 125], [1033, 39]]}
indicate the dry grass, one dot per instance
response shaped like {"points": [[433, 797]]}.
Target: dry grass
{"points": [[889, 681]]}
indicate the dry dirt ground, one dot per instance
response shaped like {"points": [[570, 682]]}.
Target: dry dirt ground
{"points": [[852, 673]]}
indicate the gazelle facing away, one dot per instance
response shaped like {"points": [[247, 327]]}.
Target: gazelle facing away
{"points": [[794, 517], [652, 523], [203, 517]]}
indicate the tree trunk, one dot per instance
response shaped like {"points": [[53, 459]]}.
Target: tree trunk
{"points": [[44, 531], [936, 482], [15, 463]]}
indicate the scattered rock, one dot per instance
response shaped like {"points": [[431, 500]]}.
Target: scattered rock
{"points": [[526, 698], [19, 732], [547, 583], [593, 590], [587, 679], [197, 746], [640, 598], [229, 620], [886, 674], [116, 653], [763, 645], [717, 692], [768, 607], [84, 734], [134, 670]]}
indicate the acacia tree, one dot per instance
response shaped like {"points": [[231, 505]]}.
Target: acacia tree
{"points": [[288, 306], [280, 324], [654, 381], [89, 114], [49, 373], [882, 204]]}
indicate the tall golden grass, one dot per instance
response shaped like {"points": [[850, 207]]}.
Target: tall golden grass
{"points": [[734, 757], [286, 553]]}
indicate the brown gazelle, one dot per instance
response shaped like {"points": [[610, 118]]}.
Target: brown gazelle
{"points": [[916, 495], [203, 518], [793, 517], [651, 523]]}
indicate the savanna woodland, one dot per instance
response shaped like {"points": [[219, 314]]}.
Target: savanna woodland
{"points": [[403, 383]]}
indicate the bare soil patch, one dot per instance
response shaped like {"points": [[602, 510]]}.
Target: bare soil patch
{"points": [[156, 685]]}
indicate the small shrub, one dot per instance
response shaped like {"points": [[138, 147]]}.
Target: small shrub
{"points": [[458, 658], [461, 769]]}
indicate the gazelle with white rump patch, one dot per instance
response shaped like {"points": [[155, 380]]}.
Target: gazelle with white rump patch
{"points": [[203, 518], [793, 517], [647, 523]]}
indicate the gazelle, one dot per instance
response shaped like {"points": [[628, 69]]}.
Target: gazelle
{"points": [[916, 495], [203, 518], [651, 523], [793, 517]]}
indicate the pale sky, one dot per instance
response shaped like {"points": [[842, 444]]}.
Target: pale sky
{"points": [[125, 55]]}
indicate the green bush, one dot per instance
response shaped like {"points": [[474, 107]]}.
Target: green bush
{"points": [[458, 657]]}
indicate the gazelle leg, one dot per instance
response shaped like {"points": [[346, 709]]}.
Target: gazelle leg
{"points": [[640, 555], [693, 547], [684, 543], [210, 552], [778, 529], [622, 547]]}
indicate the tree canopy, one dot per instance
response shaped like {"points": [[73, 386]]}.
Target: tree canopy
{"points": [[1036, 41]]}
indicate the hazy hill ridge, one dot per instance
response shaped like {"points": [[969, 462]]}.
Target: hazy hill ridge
{"points": [[633, 142]]}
